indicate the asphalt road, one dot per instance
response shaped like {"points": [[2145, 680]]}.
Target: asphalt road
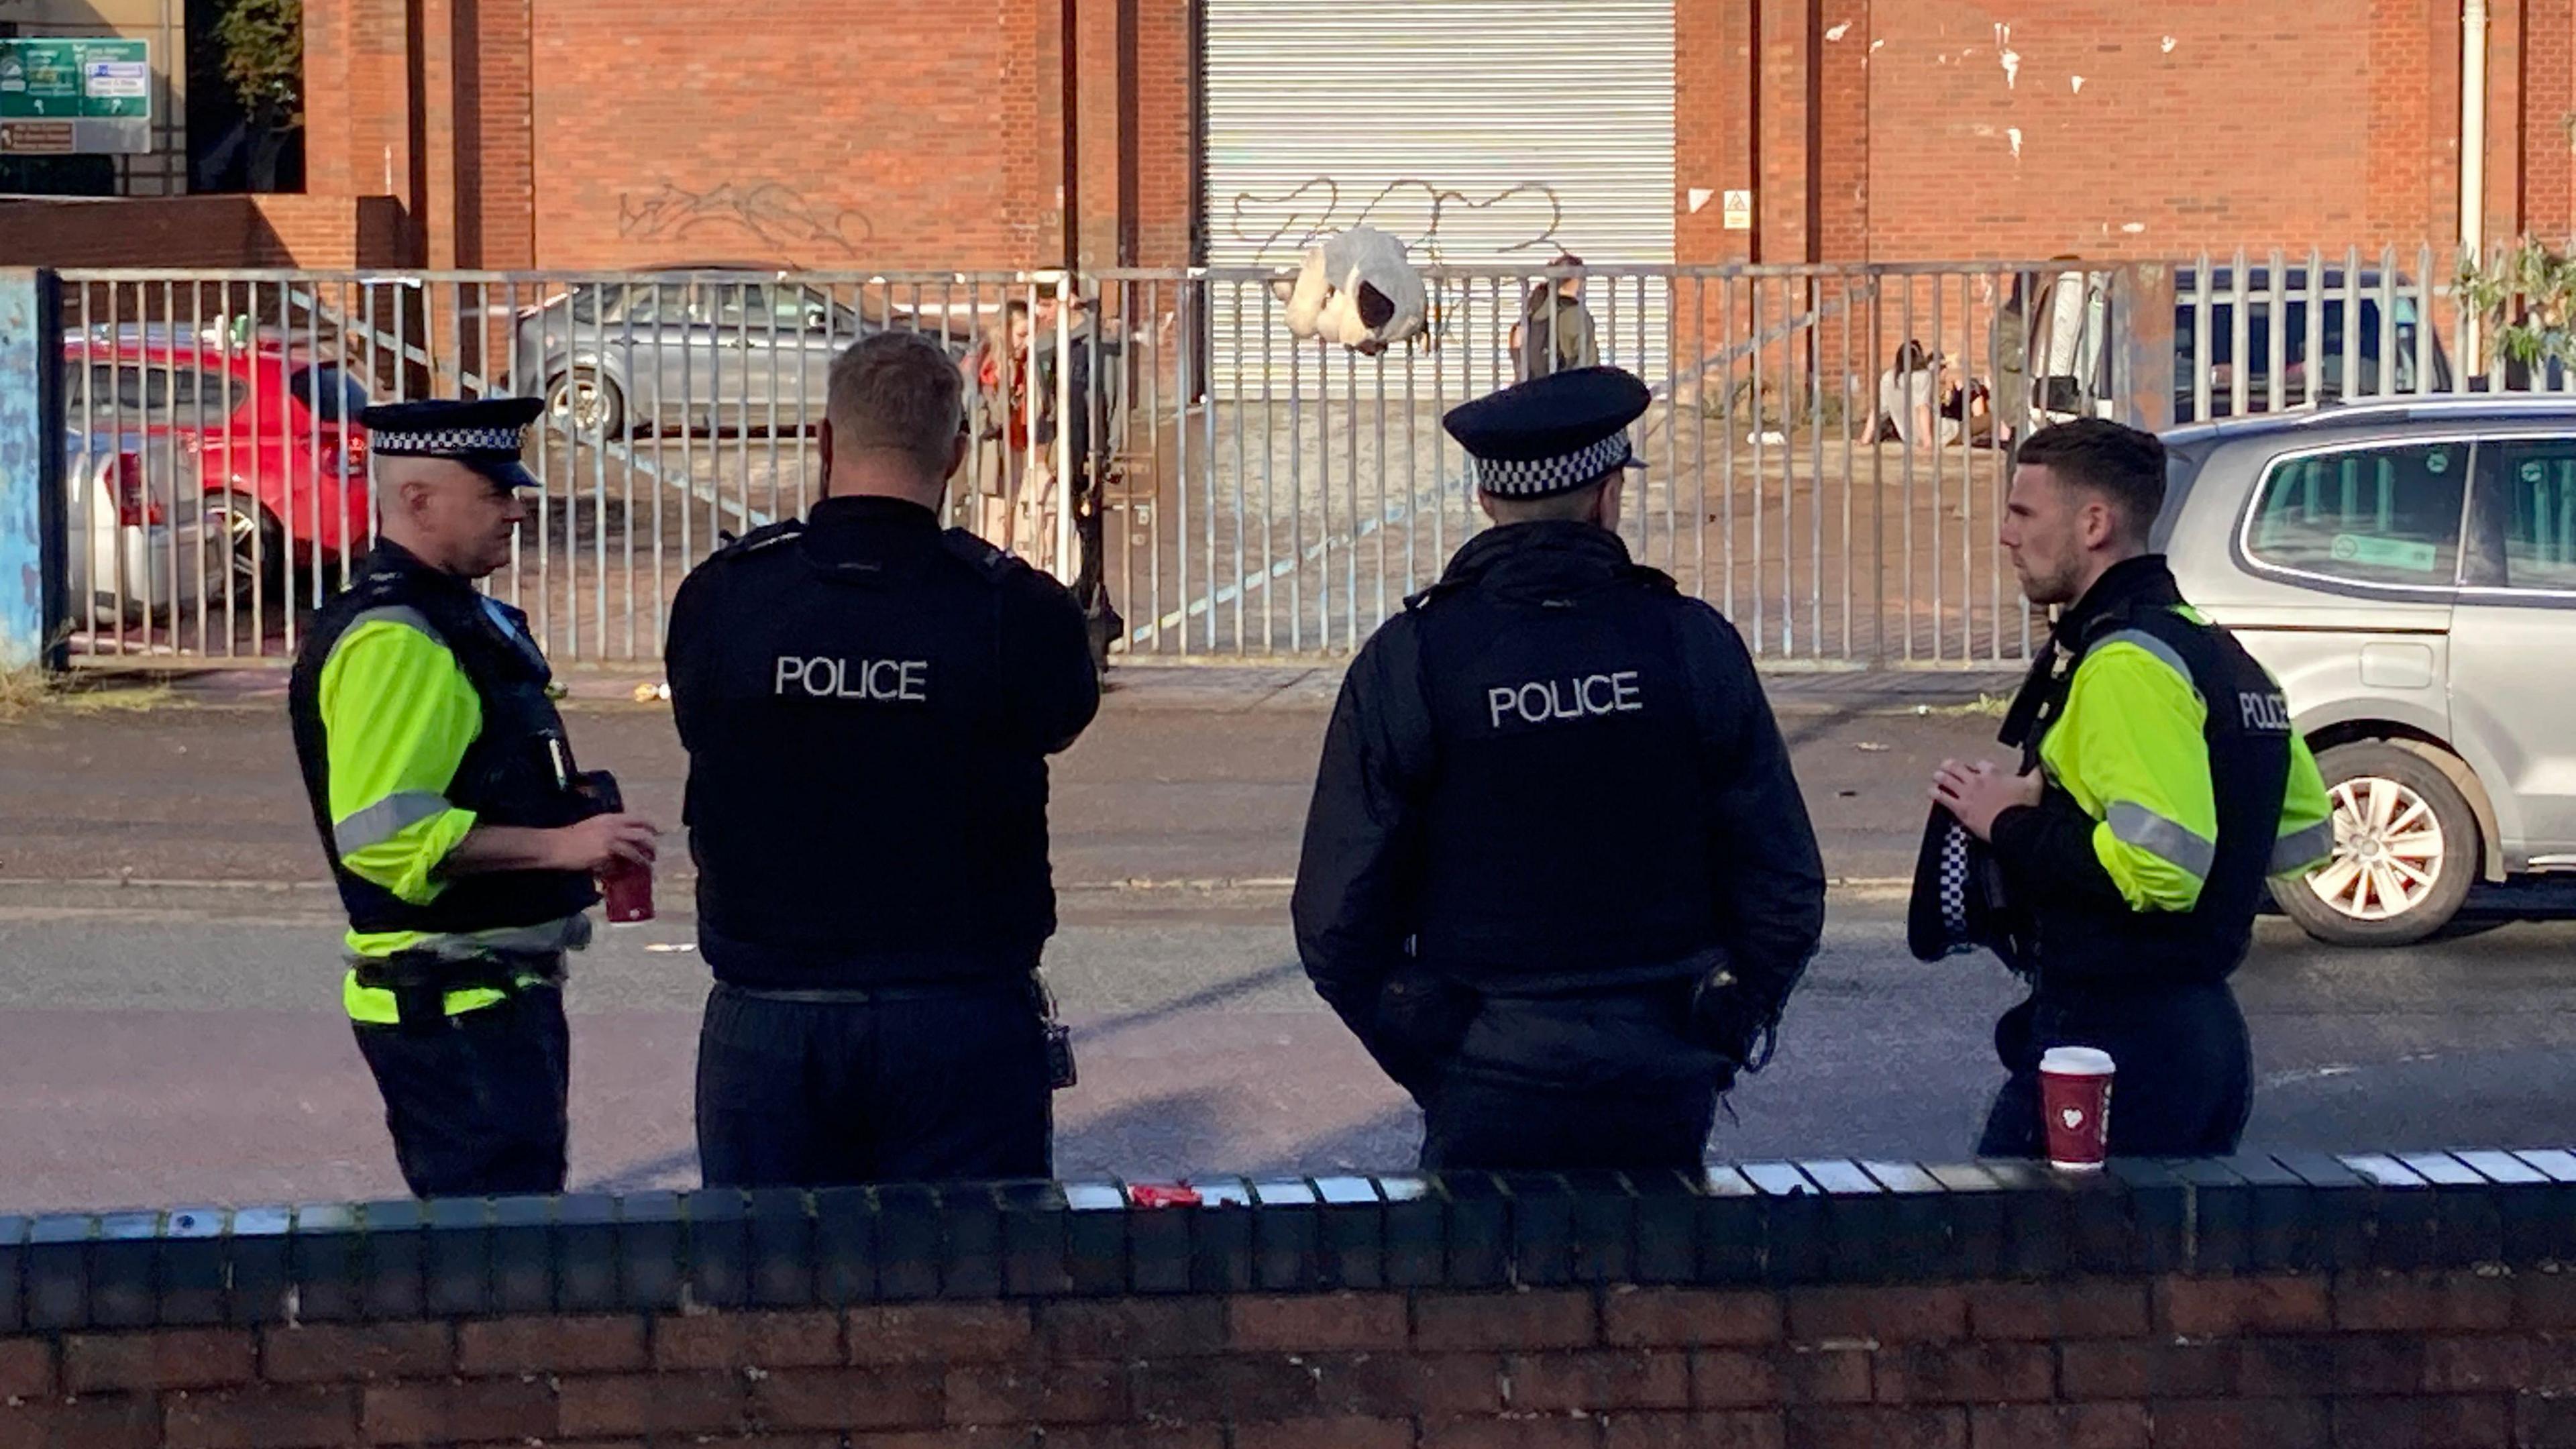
{"points": [[177, 1043]]}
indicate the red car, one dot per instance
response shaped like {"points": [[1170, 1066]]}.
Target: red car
{"points": [[273, 429]]}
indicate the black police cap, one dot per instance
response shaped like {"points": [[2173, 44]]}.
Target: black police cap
{"points": [[485, 435], [1552, 434]]}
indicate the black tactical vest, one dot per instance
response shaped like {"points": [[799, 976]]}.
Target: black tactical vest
{"points": [[519, 770], [862, 807], [1564, 838], [2079, 944]]}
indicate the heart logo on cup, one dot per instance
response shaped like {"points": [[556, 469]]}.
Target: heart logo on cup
{"points": [[2073, 1117]]}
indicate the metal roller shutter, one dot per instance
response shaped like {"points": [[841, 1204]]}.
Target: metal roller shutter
{"points": [[1481, 132]]}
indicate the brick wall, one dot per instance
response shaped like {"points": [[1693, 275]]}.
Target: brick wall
{"points": [[2284, 1302], [202, 231]]}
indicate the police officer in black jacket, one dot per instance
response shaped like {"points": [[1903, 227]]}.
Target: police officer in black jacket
{"points": [[868, 704], [1557, 875]]}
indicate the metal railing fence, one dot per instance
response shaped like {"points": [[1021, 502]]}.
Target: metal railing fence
{"points": [[1826, 455]]}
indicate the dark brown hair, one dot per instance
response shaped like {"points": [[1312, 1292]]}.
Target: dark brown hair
{"points": [[2123, 464]]}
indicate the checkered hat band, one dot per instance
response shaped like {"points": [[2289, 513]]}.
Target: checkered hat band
{"points": [[446, 442], [1538, 477]]}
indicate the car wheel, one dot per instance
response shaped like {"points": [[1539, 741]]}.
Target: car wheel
{"points": [[585, 404], [2406, 850], [245, 551]]}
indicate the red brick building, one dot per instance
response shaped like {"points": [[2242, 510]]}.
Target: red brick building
{"points": [[594, 133]]}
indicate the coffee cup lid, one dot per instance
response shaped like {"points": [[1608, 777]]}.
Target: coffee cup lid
{"points": [[2077, 1061]]}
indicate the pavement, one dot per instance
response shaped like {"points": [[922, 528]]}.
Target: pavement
{"points": [[167, 972]]}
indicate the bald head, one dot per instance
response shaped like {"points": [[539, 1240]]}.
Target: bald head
{"points": [[452, 517], [895, 421]]}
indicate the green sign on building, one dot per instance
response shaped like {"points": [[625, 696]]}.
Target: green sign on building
{"points": [[65, 95]]}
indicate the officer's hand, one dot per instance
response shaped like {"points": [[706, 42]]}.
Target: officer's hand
{"points": [[1978, 793], [606, 843]]}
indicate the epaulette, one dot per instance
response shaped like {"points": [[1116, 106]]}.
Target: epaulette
{"points": [[1433, 594], [760, 538], [990, 559], [1653, 579]]}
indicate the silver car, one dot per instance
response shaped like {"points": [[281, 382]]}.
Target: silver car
{"points": [[137, 551], [2408, 570]]}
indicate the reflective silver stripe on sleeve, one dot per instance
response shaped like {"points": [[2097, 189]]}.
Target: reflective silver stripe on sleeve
{"points": [[386, 819], [2138, 826], [2296, 852], [403, 614], [572, 933], [2160, 649]]}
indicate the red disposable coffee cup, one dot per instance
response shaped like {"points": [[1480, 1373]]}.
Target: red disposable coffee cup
{"points": [[2075, 1101], [628, 891]]}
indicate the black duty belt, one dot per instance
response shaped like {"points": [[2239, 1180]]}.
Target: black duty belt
{"points": [[420, 982], [861, 995]]}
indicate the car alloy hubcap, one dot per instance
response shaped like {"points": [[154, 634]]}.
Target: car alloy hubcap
{"points": [[578, 401], [2388, 851]]}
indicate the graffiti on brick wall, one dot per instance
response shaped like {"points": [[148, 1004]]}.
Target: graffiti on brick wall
{"points": [[770, 212], [1510, 222]]}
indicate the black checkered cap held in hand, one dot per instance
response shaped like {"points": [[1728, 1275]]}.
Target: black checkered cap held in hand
{"points": [[1553, 434]]}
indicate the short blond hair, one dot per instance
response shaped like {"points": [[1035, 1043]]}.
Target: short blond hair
{"points": [[898, 392]]}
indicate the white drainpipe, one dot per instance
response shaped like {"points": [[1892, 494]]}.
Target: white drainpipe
{"points": [[2473, 158]]}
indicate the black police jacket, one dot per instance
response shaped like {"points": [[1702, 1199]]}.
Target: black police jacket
{"points": [[868, 705], [518, 772], [1552, 775], [2078, 935]]}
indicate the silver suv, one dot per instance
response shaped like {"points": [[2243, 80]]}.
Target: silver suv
{"points": [[2408, 569]]}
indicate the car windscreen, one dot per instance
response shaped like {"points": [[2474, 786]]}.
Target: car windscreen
{"points": [[327, 390]]}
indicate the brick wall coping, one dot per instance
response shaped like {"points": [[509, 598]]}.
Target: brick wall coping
{"points": [[1761, 1224]]}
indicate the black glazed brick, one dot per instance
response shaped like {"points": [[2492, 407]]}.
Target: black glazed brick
{"points": [[910, 1243], [1480, 1230], [1096, 1222], [2038, 1227], [58, 1248], [1221, 1237], [1797, 1241], [1605, 1226], [1733, 1248], [2205, 1214], [2467, 1227], [649, 1274], [1417, 1232], [123, 1271], [523, 1254], [396, 1238], [845, 1245], [586, 1253], [1542, 1227], [258, 1246], [458, 1256], [2279, 1223], [2524, 1200], [1667, 1212], [1287, 1243], [1352, 1223], [1978, 1224], [13, 1272], [718, 1238], [195, 1270], [782, 1248], [1034, 1240], [1158, 1238], [2404, 1221], [1856, 1220], [327, 1256], [1918, 1236], [2338, 1226], [970, 1263]]}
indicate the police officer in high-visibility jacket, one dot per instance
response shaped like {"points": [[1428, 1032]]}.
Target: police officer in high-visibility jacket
{"points": [[2160, 787], [1557, 875], [462, 840]]}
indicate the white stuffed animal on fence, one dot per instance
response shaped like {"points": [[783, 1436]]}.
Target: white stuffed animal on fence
{"points": [[1356, 289]]}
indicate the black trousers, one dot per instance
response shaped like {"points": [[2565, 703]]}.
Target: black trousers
{"points": [[476, 1106], [2185, 1070], [1611, 1080], [915, 1086], [1485, 1123]]}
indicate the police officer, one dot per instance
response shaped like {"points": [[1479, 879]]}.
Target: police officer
{"points": [[1557, 876], [2160, 785], [462, 839], [868, 704]]}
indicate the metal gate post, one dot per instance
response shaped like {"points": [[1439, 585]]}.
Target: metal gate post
{"points": [[32, 607]]}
